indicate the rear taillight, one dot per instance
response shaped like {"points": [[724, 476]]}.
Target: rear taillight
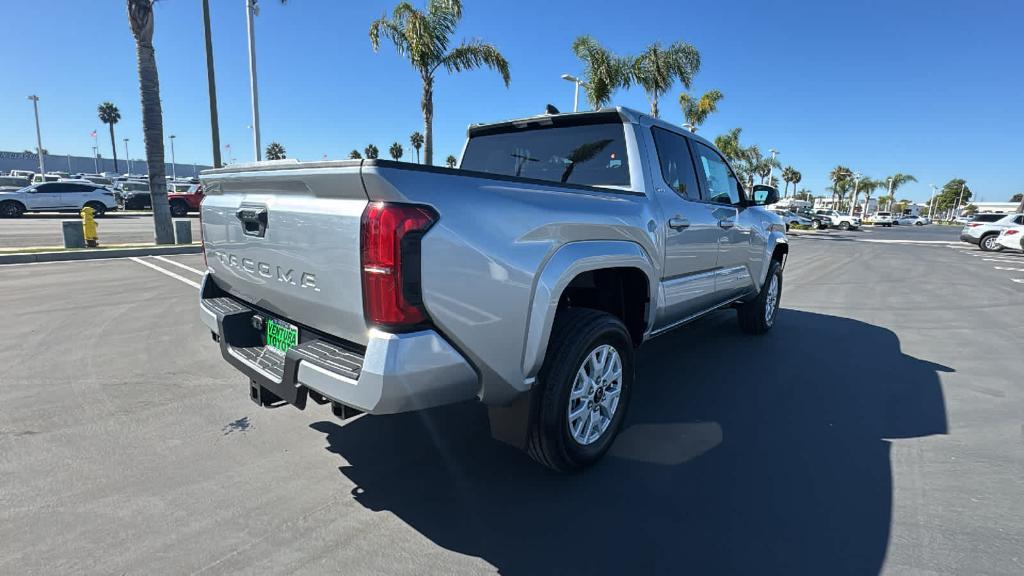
{"points": [[1010, 232], [974, 225], [390, 257]]}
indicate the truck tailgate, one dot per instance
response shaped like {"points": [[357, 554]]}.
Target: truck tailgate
{"points": [[287, 239]]}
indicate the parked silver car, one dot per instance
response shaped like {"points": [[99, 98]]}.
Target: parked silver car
{"points": [[525, 279]]}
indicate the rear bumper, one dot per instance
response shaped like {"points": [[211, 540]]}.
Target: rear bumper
{"points": [[395, 373], [969, 238]]}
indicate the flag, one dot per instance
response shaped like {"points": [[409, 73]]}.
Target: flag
{"points": [[93, 134]]}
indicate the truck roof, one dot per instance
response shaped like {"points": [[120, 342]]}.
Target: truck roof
{"points": [[620, 113]]}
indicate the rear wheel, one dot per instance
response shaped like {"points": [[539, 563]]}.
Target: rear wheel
{"points": [[815, 224], [758, 316], [11, 209], [583, 390], [844, 225], [988, 243], [98, 209], [179, 209]]}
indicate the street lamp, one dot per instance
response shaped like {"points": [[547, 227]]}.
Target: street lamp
{"points": [[251, 9], [960, 201], [127, 158], [931, 202], [771, 167], [39, 138], [174, 173], [856, 183], [576, 95]]}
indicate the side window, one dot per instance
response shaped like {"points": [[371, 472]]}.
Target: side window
{"points": [[719, 181], [79, 188], [46, 189], [1019, 220], [676, 163]]}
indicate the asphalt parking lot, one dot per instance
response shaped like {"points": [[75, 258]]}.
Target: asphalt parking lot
{"points": [[878, 428], [44, 229]]}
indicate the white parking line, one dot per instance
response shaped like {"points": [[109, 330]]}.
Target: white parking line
{"points": [[165, 272], [1010, 260], [1008, 268], [180, 265], [1018, 280]]}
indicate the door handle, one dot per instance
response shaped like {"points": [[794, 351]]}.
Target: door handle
{"points": [[726, 223], [678, 223]]}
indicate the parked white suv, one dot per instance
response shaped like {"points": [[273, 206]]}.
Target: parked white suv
{"points": [[985, 234], [882, 219], [64, 196], [841, 221]]}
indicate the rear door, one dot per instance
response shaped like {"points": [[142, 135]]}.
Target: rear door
{"points": [[76, 195], [287, 240], [690, 229]]}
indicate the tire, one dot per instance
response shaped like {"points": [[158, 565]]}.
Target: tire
{"points": [[787, 226], [98, 209], [815, 224], [844, 225], [11, 209], [758, 316], [918, 223], [179, 209], [988, 243], [578, 338]]}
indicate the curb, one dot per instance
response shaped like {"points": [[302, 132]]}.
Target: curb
{"points": [[64, 255]]}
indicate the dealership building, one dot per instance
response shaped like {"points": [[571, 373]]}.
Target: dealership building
{"points": [[87, 164]]}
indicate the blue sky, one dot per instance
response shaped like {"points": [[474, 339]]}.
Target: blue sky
{"points": [[934, 88]]}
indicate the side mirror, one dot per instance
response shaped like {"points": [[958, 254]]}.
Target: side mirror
{"points": [[765, 195]]}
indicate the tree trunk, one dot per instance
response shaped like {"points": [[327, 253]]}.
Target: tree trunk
{"points": [[113, 146], [654, 105], [153, 133], [427, 104], [211, 84]]}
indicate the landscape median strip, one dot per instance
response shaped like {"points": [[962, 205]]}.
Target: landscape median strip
{"points": [[50, 254]]}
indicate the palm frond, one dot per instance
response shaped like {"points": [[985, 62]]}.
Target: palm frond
{"points": [[475, 54], [604, 71]]}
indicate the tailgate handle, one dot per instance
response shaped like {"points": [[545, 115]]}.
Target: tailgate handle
{"points": [[254, 221]]}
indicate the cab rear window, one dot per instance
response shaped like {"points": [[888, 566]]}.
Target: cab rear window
{"points": [[590, 154]]}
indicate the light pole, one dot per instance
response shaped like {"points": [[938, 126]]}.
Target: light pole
{"points": [[127, 158], [39, 137], [961, 199], [931, 202], [856, 183], [576, 94], [95, 153], [251, 10], [771, 167], [890, 193], [174, 174]]}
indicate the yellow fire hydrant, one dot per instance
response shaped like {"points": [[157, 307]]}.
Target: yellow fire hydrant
{"points": [[89, 227]]}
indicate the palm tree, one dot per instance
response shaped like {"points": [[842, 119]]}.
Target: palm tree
{"points": [[450, 161], [140, 16], [729, 144], [110, 115], [797, 177], [211, 85], [396, 151], [416, 140], [896, 181], [867, 185], [697, 110], [840, 176], [656, 69], [275, 151], [604, 71], [354, 155], [787, 177], [423, 37], [371, 151]]}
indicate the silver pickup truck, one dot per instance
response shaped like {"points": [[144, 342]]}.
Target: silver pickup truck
{"points": [[525, 278]]}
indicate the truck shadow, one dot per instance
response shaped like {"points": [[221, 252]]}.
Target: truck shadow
{"points": [[742, 455]]}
